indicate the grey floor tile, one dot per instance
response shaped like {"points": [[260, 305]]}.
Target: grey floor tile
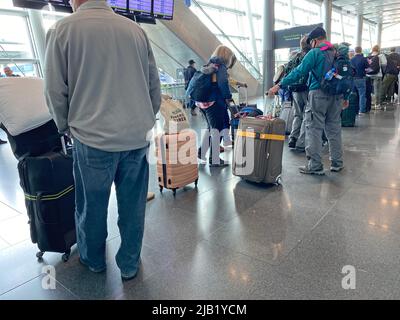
{"points": [[209, 272], [20, 265], [7, 212], [177, 231], [377, 206], [43, 287], [268, 233], [15, 230], [337, 243], [108, 285]]}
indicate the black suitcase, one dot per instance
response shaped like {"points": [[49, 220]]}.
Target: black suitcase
{"points": [[34, 142], [48, 184]]}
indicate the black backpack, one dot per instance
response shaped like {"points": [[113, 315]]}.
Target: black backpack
{"points": [[338, 74], [301, 85], [201, 85]]}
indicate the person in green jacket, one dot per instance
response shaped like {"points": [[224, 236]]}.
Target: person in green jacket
{"points": [[323, 111]]}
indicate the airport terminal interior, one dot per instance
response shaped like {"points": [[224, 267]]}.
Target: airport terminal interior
{"points": [[227, 238]]}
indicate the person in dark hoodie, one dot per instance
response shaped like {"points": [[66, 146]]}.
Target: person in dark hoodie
{"points": [[300, 98], [323, 111], [215, 111]]}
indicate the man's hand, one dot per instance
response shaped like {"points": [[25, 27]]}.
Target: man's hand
{"points": [[273, 91], [345, 104]]}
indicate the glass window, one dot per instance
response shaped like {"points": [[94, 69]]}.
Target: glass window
{"points": [[15, 41], [6, 4], [50, 18], [23, 69], [391, 36]]}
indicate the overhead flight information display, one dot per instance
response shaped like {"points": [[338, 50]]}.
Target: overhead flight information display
{"points": [[163, 9], [59, 5], [140, 6], [118, 5], [145, 11]]}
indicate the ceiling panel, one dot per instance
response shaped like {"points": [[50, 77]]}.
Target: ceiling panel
{"points": [[385, 11]]}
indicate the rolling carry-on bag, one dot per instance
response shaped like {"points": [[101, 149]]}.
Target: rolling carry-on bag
{"points": [[48, 183], [349, 114], [287, 114], [259, 149], [177, 160]]}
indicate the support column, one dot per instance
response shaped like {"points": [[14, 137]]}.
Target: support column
{"points": [[360, 28], [39, 33], [327, 8], [268, 45], [256, 62], [379, 34]]}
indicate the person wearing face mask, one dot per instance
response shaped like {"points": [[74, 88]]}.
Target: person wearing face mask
{"points": [[323, 110], [300, 98], [109, 114]]}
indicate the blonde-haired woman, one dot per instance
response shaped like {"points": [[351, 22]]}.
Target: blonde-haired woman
{"points": [[215, 111]]}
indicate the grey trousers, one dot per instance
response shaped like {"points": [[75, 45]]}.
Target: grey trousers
{"points": [[323, 112], [300, 100]]}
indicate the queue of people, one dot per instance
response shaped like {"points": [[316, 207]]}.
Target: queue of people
{"points": [[317, 113]]}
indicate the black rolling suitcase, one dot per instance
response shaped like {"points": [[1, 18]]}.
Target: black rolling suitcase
{"points": [[48, 184]]}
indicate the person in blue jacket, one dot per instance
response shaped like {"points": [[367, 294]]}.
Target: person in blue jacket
{"points": [[215, 111], [323, 111]]}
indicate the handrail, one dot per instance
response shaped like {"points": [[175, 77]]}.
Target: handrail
{"points": [[228, 38], [167, 54]]}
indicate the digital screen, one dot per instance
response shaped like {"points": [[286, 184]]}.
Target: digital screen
{"points": [[163, 9], [59, 5], [140, 6], [117, 5]]}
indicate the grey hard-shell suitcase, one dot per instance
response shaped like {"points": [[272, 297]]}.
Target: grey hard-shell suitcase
{"points": [[287, 114], [259, 149]]}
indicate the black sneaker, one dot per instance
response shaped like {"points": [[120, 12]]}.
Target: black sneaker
{"points": [[220, 164], [3, 142], [306, 170], [292, 143]]}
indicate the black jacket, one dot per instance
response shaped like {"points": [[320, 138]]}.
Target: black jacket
{"points": [[188, 74], [393, 64]]}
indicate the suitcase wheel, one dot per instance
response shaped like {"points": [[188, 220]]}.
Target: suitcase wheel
{"points": [[161, 189], [39, 256], [278, 181], [174, 192], [196, 183]]}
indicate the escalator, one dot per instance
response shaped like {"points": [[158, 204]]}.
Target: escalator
{"points": [[186, 37]]}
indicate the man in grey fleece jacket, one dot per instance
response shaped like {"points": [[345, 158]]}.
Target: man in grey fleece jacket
{"points": [[102, 86]]}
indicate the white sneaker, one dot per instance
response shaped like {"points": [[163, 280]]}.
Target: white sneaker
{"points": [[150, 196]]}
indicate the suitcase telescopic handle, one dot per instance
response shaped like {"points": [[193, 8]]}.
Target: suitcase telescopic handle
{"points": [[63, 145]]}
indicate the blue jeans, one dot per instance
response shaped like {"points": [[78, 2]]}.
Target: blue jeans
{"points": [[361, 86], [95, 171]]}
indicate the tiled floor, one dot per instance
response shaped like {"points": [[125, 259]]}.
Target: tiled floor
{"points": [[233, 240]]}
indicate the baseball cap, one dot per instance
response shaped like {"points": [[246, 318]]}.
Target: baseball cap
{"points": [[316, 33]]}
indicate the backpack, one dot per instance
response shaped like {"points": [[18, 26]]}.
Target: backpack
{"points": [[338, 74], [201, 85], [301, 85]]}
